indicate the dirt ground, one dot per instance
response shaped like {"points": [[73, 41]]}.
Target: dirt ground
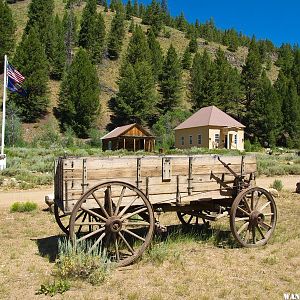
{"points": [[193, 269]]}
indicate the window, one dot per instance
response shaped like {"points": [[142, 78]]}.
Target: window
{"points": [[191, 140], [217, 137], [235, 139], [199, 139], [182, 140], [109, 145]]}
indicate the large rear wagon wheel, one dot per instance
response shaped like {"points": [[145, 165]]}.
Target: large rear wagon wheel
{"points": [[191, 218], [253, 217], [122, 223]]}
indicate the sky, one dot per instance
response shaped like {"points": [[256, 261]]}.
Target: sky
{"points": [[276, 20]]}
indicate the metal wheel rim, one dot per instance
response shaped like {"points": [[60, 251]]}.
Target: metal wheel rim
{"points": [[257, 217], [113, 220], [58, 216]]}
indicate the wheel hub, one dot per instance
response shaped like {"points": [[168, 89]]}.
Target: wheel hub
{"points": [[113, 224], [256, 218]]}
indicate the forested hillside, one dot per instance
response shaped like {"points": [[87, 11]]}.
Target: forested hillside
{"points": [[97, 65]]}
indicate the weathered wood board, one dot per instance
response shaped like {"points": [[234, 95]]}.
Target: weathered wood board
{"points": [[159, 177]]}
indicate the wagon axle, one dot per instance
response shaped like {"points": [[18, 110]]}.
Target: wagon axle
{"points": [[113, 224]]}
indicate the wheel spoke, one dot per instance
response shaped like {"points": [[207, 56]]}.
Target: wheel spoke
{"points": [[241, 219], [264, 206], [265, 226], [190, 219], [97, 242], [91, 234], [247, 205], [243, 227], [117, 248], [257, 200], [90, 212], [108, 200], [127, 206], [100, 205], [79, 215], [253, 235], [83, 219], [137, 224], [243, 211], [135, 235], [252, 201], [260, 231], [89, 223], [125, 242], [120, 200], [133, 213]]}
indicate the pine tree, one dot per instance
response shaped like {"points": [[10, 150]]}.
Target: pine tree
{"points": [[40, 16], [70, 33], [153, 17], [58, 55], [296, 69], [129, 10], [79, 95], [193, 44], [30, 59], [290, 102], [204, 86], [251, 75], [229, 92], [141, 10], [113, 5], [137, 99], [186, 59], [98, 41], [131, 26], [138, 49], [7, 32], [116, 36], [135, 10], [266, 117], [105, 6], [156, 55], [171, 81], [87, 26], [181, 22]]}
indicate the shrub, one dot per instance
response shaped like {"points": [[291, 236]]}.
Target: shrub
{"points": [[51, 289], [76, 263], [23, 207], [277, 184]]}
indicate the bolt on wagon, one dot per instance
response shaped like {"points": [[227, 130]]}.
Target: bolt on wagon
{"points": [[112, 201]]}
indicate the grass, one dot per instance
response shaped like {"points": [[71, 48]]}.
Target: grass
{"points": [[76, 263], [23, 207], [277, 185], [196, 265], [53, 288]]}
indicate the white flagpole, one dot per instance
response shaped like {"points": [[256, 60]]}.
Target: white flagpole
{"points": [[3, 158]]}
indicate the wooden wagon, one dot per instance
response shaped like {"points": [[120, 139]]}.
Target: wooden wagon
{"points": [[112, 201]]}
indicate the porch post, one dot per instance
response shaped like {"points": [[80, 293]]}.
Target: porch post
{"points": [[124, 144], [133, 144], [144, 144], [228, 146]]}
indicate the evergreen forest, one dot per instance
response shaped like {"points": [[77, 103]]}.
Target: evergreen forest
{"points": [[93, 65]]}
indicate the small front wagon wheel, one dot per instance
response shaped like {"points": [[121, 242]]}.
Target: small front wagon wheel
{"points": [[122, 223], [253, 217]]}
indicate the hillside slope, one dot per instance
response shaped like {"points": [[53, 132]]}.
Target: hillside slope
{"points": [[109, 70]]}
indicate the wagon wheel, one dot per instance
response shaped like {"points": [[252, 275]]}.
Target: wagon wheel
{"points": [[189, 218], [63, 219], [118, 228], [253, 217]]}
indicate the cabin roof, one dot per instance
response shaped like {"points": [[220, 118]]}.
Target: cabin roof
{"points": [[210, 116], [121, 131]]}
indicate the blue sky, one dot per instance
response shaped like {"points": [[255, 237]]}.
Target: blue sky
{"points": [[278, 21]]}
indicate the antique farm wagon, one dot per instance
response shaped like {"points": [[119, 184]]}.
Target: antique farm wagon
{"points": [[112, 201]]}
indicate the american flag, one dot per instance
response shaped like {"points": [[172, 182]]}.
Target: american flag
{"points": [[14, 74]]}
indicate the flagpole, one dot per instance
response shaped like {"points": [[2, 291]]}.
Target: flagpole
{"points": [[2, 166]]}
